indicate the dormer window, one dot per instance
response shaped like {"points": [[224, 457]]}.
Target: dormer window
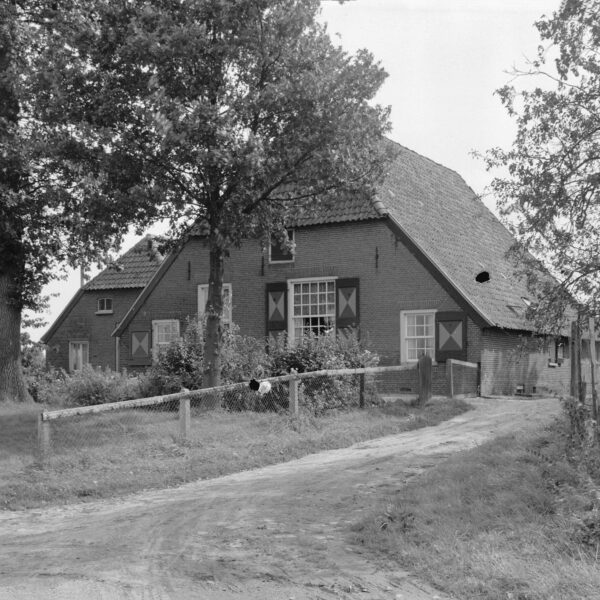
{"points": [[105, 306], [278, 252]]}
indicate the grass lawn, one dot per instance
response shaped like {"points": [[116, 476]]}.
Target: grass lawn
{"points": [[510, 520], [120, 452]]}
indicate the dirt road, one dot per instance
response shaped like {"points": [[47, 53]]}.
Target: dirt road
{"points": [[276, 533]]}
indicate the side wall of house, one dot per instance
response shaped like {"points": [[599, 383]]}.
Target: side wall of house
{"points": [[391, 279], [83, 324], [509, 360]]}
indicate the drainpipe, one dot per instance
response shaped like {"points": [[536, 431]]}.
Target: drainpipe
{"points": [[117, 361]]}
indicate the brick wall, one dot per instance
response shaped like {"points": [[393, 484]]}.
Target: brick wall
{"points": [[508, 360], [391, 280], [83, 324]]}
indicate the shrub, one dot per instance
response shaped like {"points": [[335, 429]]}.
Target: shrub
{"points": [[85, 388], [180, 366], [315, 353]]}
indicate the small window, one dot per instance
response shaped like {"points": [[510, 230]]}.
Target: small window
{"points": [[278, 252], [79, 355], [417, 336], [105, 306], [164, 333], [227, 301]]}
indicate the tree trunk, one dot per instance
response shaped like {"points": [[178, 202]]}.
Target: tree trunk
{"points": [[211, 375], [12, 384]]}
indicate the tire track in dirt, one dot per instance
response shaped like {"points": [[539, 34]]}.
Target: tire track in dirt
{"points": [[277, 533]]}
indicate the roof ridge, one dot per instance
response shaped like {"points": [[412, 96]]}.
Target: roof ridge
{"points": [[435, 162]]}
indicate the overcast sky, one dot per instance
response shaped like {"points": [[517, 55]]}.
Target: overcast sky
{"points": [[444, 59]]}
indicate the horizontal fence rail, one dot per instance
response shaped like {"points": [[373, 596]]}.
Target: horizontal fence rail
{"points": [[160, 421]]}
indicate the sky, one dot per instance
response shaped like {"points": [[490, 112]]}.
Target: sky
{"points": [[444, 59]]}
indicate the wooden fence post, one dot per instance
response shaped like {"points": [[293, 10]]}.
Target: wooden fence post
{"points": [[575, 360], [184, 418], [593, 360], [293, 393], [450, 377], [361, 390], [424, 379], [43, 436]]}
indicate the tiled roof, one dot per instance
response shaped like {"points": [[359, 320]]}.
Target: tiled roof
{"points": [[339, 211], [132, 270], [444, 218], [460, 235]]}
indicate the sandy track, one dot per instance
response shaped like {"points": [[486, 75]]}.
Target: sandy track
{"points": [[275, 533]]}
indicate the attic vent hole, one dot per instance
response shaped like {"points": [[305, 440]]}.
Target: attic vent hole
{"points": [[482, 277]]}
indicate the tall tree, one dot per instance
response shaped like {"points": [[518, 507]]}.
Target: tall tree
{"points": [[235, 113], [551, 194], [54, 203]]}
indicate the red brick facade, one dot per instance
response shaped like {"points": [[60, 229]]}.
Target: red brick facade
{"points": [[391, 279], [83, 324]]}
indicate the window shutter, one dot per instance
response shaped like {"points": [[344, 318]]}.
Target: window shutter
{"points": [[140, 348], [276, 305], [347, 305], [450, 336]]}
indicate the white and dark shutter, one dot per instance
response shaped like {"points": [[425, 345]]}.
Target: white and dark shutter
{"points": [[450, 336], [347, 304], [276, 304], [141, 348]]}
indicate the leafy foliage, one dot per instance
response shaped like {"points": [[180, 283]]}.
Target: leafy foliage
{"points": [[226, 117], [82, 388], [551, 196]]}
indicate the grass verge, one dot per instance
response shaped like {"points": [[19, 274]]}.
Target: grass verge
{"points": [[510, 520], [127, 451]]}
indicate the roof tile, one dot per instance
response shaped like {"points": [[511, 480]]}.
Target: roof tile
{"points": [[132, 270]]}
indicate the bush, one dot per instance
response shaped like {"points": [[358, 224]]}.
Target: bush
{"points": [[85, 388], [180, 366], [316, 353]]}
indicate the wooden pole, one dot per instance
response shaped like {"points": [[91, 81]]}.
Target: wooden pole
{"points": [[450, 376], [43, 435], [184, 418], [424, 379], [592, 328], [361, 391], [293, 396], [575, 343]]}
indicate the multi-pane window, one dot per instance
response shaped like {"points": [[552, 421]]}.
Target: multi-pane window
{"points": [[227, 298], [418, 335], [164, 332], [79, 355], [105, 305], [313, 307]]}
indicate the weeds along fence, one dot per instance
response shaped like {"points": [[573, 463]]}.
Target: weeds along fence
{"points": [[149, 424]]}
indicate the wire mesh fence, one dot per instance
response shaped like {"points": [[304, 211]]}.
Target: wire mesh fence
{"points": [[137, 426]]}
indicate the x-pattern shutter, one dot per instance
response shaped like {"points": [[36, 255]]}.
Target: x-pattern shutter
{"points": [[347, 304], [450, 336], [140, 348], [276, 305]]}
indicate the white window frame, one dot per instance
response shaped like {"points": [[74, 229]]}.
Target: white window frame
{"points": [[404, 328], [104, 311], [290, 288], [156, 345], [85, 358], [289, 260], [227, 308]]}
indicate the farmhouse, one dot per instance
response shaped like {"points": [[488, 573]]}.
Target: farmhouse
{"points": [[421, 267], [82, 332]]}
